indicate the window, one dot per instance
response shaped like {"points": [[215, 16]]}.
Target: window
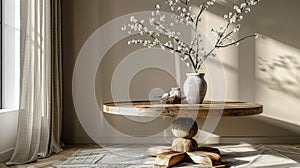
{"points": [[10, 50], [0, 54]]}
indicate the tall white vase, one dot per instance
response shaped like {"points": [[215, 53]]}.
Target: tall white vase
{"points": [[195, 88]]}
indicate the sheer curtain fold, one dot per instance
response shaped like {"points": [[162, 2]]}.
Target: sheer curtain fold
{"points": [[39, 126], [56, 77]]}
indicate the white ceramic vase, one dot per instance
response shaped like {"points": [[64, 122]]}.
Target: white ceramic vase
{"points": [[195, 88]]}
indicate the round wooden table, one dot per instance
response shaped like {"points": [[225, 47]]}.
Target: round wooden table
{"points": [[206, 109], [184, 127]]}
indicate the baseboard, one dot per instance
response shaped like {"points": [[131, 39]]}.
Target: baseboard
{"points": [[211, 140], [261, 140], [5, 155]]}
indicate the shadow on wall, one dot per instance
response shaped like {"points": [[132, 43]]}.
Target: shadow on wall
{"points": [[282, 74], [277, 79]]}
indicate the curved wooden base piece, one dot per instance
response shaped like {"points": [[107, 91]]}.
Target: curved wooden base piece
{"points": [[154, 151], [184, 145], [169, 159], [165, 157], [207, 158]]}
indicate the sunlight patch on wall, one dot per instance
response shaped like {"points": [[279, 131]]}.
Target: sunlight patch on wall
{"points": [[278, 79], [228, 56]]}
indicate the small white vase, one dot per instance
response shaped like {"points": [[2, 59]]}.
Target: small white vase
{"points": [[195, 88]]}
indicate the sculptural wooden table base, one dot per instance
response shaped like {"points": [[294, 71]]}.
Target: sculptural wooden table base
{"points": [[184, 127], [184, 147]]}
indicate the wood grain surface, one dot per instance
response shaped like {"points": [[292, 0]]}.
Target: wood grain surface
{"points": [[206, 109]]}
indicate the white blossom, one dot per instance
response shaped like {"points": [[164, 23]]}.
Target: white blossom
{"points": [[133, 19], [247, 10], [157, 6], [243, 5], [123, 27]]}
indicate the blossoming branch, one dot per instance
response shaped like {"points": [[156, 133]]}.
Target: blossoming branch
{"points": [[161, 32]]}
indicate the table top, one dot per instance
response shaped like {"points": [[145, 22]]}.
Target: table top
{"points": [[206, 109]]}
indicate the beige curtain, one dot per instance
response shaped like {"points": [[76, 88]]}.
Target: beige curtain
{"points": [[40, 81]]}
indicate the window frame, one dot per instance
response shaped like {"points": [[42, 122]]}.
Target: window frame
{"points": [[1, 40], [10, 63]]}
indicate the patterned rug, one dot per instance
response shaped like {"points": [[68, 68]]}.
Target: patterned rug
{"points": [[119, 156]]}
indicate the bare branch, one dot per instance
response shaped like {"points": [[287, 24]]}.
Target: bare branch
{"points": [[236, 42], [203, 7], [184, 2]]}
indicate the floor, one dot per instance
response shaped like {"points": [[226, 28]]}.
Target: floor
{"points": [[48, 162], [279, 156]]}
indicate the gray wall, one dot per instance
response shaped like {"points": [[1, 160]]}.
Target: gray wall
{"points": [[276, 19]]}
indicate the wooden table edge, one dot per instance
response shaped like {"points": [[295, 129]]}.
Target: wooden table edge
{"points": [[181, 110]]}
